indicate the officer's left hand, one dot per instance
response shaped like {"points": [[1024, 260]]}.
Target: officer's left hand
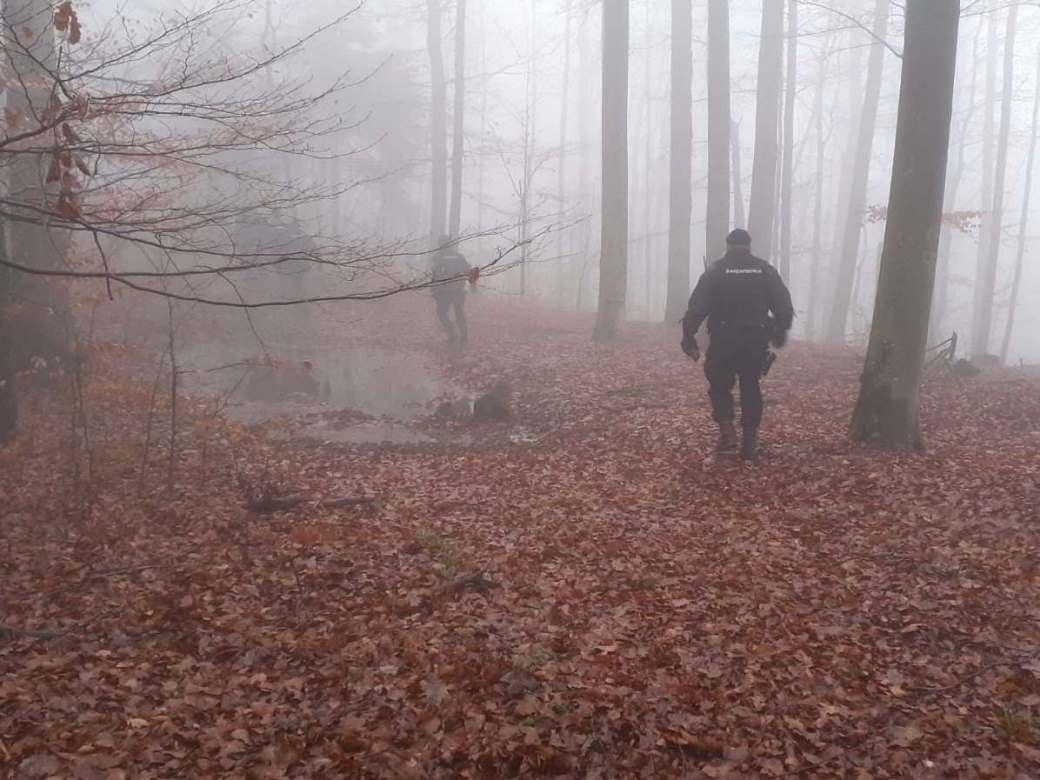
{"points": [[779, 339], [692, 349]]}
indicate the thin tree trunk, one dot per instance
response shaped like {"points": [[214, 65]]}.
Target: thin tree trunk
{"points": [[985, 286], [986, 207], [438, 123], [860, 181], [1023, 226], [680, 206], [739, 214], [787, 174], [530, 140], [942, 281], [767, 123], [34, 312], [648, 162], [887, 411], [614, 237], [585, 99], [719, 123], [485, 85], [561, 177], [459, 135], [8, 391], [821, 162]]}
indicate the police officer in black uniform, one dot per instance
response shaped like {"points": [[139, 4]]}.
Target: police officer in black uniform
{"points": [[747, 307], [449, 291]]}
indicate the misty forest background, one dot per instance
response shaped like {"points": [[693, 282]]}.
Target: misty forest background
{"points": [[258, 519]]}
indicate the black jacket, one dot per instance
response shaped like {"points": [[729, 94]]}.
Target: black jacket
{"points": [[739, 292], [449, 264]]}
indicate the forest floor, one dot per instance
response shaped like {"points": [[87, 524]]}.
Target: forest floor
{"points": [[592, 597]]}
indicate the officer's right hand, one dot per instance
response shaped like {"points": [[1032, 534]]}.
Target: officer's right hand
{"points": [[692, 349]]}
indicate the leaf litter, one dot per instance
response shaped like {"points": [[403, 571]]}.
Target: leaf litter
{"points": [[596, 599]]}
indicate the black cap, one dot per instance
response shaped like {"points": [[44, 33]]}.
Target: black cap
{"points": [[739, 238]]}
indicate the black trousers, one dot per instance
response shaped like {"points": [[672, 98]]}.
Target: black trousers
{"points": [[732, 356], [459, 329]]}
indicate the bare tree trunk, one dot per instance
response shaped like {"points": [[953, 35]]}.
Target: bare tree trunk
{"points": [[8, 391], [680, 206], [953, 185], [787, 173], [1023, 226], [438, 123], [821, 162], [988, 150], [860, 180], [613, 277], [561, 176], [739, 215], [985, 285], [459, 136], [719, 119], [530, 140], [648, 161], [887, 411], [485, 85], [34, 313], [767, 123]]}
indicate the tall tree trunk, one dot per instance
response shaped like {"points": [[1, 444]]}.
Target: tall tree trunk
{"points": [[739, 215], [719, 119], [613, 275], [887, 411], [986, 207], [438, 123], [530, 142], [34, 312], [860, 180], [485, 86], [787, 173], [821, 162], [767, 129], [648, 161], [8, 391], [985, 285], [680, 206], [585, 101], [561, 175], [953, 185], [459, 135], [1023, 225]]}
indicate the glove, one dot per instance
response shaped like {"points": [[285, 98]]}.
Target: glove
{"points": [[691, 348], [779, 339]]}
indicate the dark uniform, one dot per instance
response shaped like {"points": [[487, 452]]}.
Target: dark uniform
{"points": [[449, 264], [747, 307]]}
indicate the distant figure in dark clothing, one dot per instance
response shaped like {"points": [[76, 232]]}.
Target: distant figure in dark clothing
{"points": [[449, 291], [747, 307]]}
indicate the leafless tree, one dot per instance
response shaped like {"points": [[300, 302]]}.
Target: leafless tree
{"points": [[887, 408]]}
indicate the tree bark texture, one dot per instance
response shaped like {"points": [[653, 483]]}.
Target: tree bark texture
{"points": [[887, 411], [762, 213], [853, 219], [988, 150], [438, 123], [681, 182], [787, 170], [719, 118], [459, 119], [613, 274]]}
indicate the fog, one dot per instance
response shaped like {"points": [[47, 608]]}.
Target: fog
{"points": [[369, 388], [532, 135]]}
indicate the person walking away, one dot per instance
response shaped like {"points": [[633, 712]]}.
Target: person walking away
{"points": [[450, 271], [748, 307]]}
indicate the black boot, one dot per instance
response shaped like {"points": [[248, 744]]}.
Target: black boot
{"points": [[727, 438], [749, 447]]}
